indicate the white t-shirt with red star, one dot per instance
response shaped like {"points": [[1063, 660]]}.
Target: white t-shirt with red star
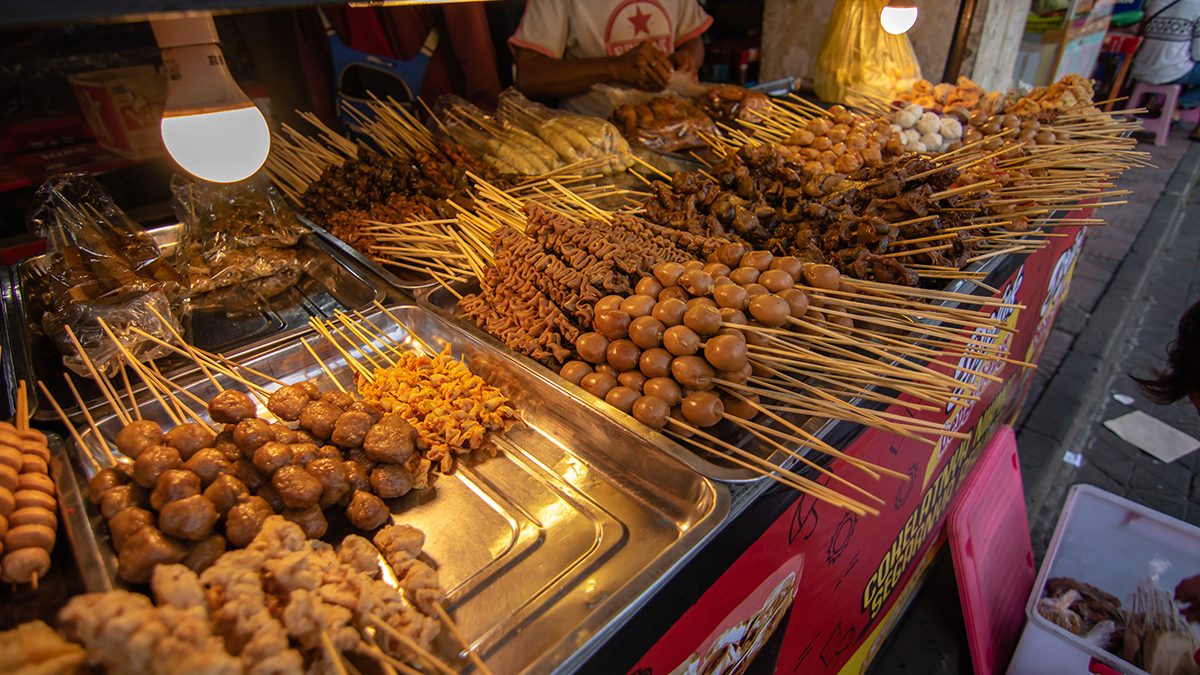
{"points": [[584, 29]]}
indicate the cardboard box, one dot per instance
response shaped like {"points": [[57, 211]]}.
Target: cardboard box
{"points": [[123, 108]]}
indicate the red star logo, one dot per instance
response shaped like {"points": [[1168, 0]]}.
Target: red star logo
{"points": [[641, 22]]}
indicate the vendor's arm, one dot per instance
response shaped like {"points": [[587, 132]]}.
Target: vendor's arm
{"points": [[689, 56], [540, 76]]}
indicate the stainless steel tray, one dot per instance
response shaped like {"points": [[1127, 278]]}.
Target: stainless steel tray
{"points": [[331, 281], [407, 280], [710, 465], [547, 546]]}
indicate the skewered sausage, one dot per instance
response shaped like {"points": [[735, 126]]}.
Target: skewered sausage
{"points": [[297, 487], [137, 436], [331, 473], [391, 480], [208, 464], [391, 440], [250, 434], [34, 464], [188, 439], [319, 418], [172, 486], [29, 536], [190, 519], [231, 406], [311, 520], [152, 462], [25, 498], [36, 481], [287, 402], [351, 428], [225, 491], [8, 477], [11, 457], [366, 511], [33, 516], [245, 520], [20, 566], [104, 480], [40, 451], [7, 502], [205, 553], [126, 523], [145, 550]]}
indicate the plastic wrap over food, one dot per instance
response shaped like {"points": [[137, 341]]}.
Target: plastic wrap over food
{"points": [[666, 122], [94, 248], [574, 137], [233, 234], [122, 312], [504, 146], [731, 103]]}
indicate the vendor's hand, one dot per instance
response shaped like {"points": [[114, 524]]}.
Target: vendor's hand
{"points": [[1187, 594], [685, 62], [644, 67]]}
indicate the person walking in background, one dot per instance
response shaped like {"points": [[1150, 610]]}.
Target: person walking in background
{"points": [[1170, 49]]}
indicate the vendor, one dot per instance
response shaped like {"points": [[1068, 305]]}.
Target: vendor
{"points": [[1170, 48], [563, 47]]}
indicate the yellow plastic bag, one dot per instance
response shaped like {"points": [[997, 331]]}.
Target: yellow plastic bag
{"points": [[859, 57]]}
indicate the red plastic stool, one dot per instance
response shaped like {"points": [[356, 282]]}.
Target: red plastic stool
{"points": [[1161, 127]]}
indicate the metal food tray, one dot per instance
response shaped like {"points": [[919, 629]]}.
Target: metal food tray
{"points": [[330, 281], [407, 280], [543, 549]]}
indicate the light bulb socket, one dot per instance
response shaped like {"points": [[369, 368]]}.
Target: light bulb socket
{"points": [[183, 31], [901, 4], [198, 81]]}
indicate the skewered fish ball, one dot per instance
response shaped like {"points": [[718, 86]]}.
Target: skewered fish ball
{"points": [[702, 408], [716, 270], [646, 332], [613, 324], [701, 301], [729, 254], [733, 316], [797, 301], [726, 352], [770, 310], [606, 369], [632, 379], [776, 280], [741, 406], [648, 286], [744, 275], [702, 319], [731, 295], [670, 311], [574, 371], [673, 293], [681, 341], [652, 412], [622, 398], [696, 282], [1046, 137], [826, 277], [790, 264], [655, 362], [692, 265], [609, 302], [598, 384], [692, 372], [755, 290], [737, 376], [623, 355], [637, 305], [668, 273], [664, 388], [592, 347]]}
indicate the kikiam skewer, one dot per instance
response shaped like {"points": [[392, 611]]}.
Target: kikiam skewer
{"points": [[453, 628], [411, 645]]}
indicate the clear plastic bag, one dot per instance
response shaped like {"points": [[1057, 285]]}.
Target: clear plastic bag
{"points": [[504, 146], [575, 138], [858, 57], [667, 121], [232, 234], [121, 312]]}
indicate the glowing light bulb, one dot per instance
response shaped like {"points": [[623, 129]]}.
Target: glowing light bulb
{"points": [[898, 17], [209, 124], [224, 146]]}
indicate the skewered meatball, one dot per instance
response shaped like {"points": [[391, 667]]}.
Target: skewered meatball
{"points": [[297, 487], [251, 433], [331, 473], [120, 498], [208, 464], [225, 491], [311, 520], [329, 452], [310, 388], [303, 453], [231, 407], [357, 476], [391, 440], [227, 446], [366, 511], [126, 523], [268, 492], [287, 402], [205, 553], [339, 398], [319, 418], [245, 471], [145, 550], [137, 436], [104, 480], [190, 519], [245, 520], [271, 457], [372, 410], [391, 480], [152, 462], [351, 428], [189, 439], [172, 486]]}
